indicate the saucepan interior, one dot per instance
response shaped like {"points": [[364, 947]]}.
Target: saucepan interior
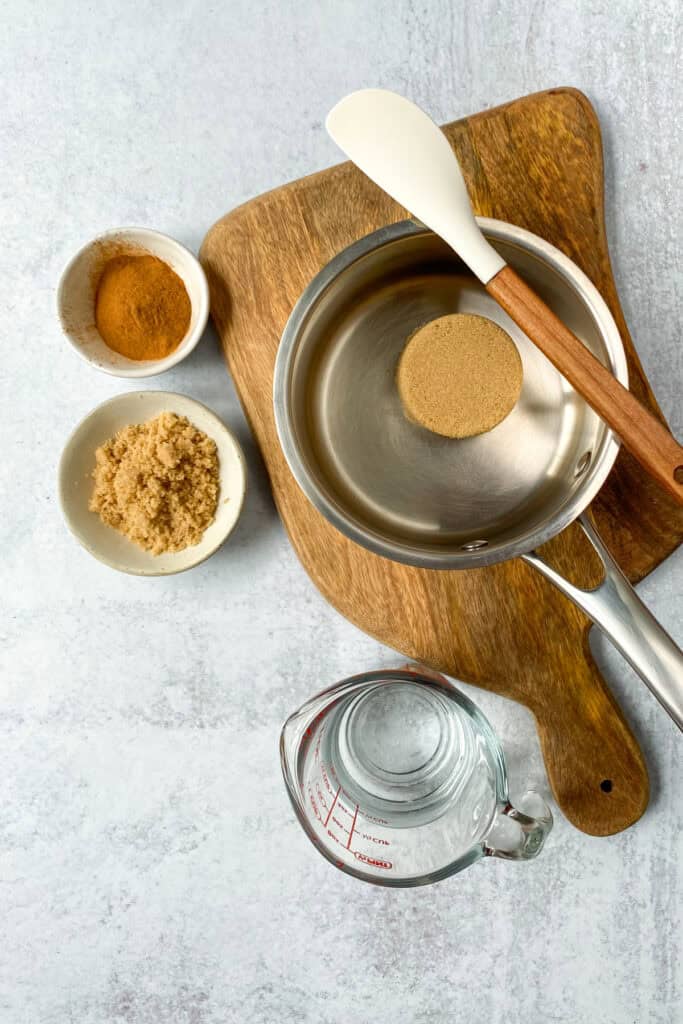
{"points": [[395, 487]]}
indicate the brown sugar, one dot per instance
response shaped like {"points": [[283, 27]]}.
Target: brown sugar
{"points": [[142, 309], [459, 375], [157, 483]]}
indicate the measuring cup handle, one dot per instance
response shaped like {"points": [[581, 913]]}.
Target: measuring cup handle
{"points": [[617, 610], [518, 833]]}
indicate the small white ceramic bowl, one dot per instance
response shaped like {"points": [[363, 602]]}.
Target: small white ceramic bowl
{"points": [[76, 300], [76, 483]]}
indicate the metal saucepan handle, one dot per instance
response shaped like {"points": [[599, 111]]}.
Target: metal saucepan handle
{"points": [[617, 610]]}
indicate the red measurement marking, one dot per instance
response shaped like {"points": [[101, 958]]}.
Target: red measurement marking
{"points": [[374, 839], [373, 862], [338, 823], [328, 784], [328, 772], [332, 807], [315, 807], [353, 825], [377, 821], [321, 796]]}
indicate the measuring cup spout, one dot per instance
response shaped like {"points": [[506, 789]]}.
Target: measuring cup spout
{"points": [[518, 833]]}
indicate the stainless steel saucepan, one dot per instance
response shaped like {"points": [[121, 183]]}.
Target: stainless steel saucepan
{"points": [[429, 501]]}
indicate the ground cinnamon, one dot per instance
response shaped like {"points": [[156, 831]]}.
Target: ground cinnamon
{"points": [[142, 309]]}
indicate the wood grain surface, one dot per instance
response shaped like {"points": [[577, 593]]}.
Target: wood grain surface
{"points": [[537, 163], [645, 436]]}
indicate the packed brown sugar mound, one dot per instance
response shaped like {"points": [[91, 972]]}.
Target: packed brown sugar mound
{"points": [[157, 483], [459, 375]]}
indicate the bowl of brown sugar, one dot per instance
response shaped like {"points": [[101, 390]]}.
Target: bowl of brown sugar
{"points": [[152, 483], [133, 302]]}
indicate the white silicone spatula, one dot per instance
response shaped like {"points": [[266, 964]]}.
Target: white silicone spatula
{"points": [[404, 152]]}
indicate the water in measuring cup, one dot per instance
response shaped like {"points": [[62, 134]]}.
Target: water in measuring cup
{"points": [[400, 778]]}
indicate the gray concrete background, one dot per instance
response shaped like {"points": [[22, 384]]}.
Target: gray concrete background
{"points": [[150, 867]]}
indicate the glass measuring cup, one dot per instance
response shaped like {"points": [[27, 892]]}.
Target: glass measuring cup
{"points": [[399, 779]]}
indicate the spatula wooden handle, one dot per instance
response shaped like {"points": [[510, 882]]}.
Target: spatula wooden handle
{"points": [[642, 433]]}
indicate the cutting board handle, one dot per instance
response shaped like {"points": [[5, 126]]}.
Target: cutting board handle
{"points": [[596, 772], [617, 610]]}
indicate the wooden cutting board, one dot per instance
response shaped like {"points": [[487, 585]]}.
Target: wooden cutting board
{"points": [[536, 162]]}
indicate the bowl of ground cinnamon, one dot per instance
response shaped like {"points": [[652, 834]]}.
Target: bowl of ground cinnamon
{"points": [[133, 302]]}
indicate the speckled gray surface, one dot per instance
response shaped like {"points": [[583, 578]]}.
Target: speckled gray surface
{"points": [[151, 871]]}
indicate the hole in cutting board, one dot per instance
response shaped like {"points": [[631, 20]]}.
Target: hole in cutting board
{"points": [[606, 785]]}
